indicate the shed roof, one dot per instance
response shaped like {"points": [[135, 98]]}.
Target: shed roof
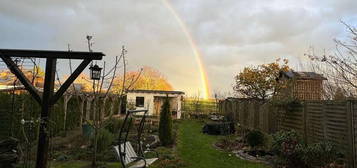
{"points": [[156, 91], [302, 75]]}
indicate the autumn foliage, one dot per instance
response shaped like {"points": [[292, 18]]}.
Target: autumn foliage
{"points": [[260, 82], [35, 75], [82, 83], [147, 79]]}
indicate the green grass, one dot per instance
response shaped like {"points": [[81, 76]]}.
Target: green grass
{"points": [[80, 164], [197, 151]]}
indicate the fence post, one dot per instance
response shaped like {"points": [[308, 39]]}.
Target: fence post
{"points": [[350, 133], [234, 111], [324, 119], [353, 131], [354, 134], [304, 113]]}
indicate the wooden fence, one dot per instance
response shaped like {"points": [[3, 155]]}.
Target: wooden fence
{"points": [[199, 106], [335, 121]]}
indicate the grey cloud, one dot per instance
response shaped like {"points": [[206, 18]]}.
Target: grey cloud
{"points": [[231, 34]]}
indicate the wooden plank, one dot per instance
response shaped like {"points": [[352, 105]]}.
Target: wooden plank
{"points": [[70, 80], [18, 73], [51, 54], [354, 131], [43, 140], [349, 132]]}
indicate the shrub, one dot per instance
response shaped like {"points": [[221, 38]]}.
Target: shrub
{"points": [[287, 146], [230, 143], [255, 138], [293, 153], [107, 155], [113, 125], [165, 125], [168, 159], [320, 154], [105, 139]]}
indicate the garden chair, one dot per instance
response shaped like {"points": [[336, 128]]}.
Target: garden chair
{"points": [[125, 151], [130, 156]]}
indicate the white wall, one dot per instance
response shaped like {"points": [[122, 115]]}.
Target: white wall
{"points": [[149, 101]]}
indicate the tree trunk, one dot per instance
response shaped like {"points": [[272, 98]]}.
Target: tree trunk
{"points": [[96, 121], [95, 112], [81, 109], [102, 108], [88, 107], [66, 99], [94, 159], [112, 106]]}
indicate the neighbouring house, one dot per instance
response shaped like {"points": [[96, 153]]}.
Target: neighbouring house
{"points": [[9, 82], [11, 89], [153, 100], [303, 85]]}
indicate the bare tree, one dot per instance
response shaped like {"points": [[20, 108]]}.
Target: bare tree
{"points": [[341, 66], [102, 92]]}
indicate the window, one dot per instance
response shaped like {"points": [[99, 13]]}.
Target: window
{"points": [[139, 102]]}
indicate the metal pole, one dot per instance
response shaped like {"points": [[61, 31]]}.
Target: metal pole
{"points": [[43, 140]]}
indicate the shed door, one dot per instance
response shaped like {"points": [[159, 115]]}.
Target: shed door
{"points": [[157, 105]]}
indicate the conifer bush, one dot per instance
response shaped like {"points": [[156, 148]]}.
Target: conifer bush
{"points": [[165, 125]]}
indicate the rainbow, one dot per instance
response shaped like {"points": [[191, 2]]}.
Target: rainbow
{"points": [[204, 80]]}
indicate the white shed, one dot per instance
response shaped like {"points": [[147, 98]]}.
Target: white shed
{"points": [[153, 100]]}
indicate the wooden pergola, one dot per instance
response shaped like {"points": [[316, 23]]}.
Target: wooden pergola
{"points": [[48, 97]]}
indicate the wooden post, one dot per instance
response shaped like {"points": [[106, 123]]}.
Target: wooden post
{"points": [[81, 109], [350, 134], [66, 99], [324, 120], [353, 131], [305, 121], [48, 97], [43, 141], [88, 106], [112, 106]]}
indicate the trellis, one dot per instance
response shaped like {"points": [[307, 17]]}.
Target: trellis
{"points": [[48, 97]]}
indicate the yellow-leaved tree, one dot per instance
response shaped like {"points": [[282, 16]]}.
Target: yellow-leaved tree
{"points": [[146, 79], [260, 82]]}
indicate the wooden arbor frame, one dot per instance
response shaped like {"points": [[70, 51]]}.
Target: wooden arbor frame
{"points": [[48, 97]]}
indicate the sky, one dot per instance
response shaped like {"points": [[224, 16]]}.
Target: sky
{"points": [[168, 35]]}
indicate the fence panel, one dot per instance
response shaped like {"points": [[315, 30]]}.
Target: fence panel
{"points": [[316, 121], [293, 119]]}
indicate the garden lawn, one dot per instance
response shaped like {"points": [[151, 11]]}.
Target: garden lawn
{"points": [[193, 147], [197, 151]]}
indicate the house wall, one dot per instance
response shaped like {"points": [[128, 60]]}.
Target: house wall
{"points": [[149, 101], [308, 89]]}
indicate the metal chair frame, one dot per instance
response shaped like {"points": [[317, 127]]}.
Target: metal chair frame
{"points": [[123, 136]]}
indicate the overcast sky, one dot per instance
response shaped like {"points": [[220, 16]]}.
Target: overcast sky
{"points": [[231, 34]]}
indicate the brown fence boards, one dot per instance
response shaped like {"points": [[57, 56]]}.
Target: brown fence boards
{"points": [[335, 121]]}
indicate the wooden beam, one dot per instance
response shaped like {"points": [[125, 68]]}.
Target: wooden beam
{"points": [[20, 75], [70, 80], [51, 54], [43, 140], [48, 99]]}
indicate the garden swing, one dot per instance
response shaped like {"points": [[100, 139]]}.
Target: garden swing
{"points": [[125, 150], [47, 98]]}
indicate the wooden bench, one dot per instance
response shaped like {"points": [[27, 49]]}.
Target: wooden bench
{"points": [[130, 156]]}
